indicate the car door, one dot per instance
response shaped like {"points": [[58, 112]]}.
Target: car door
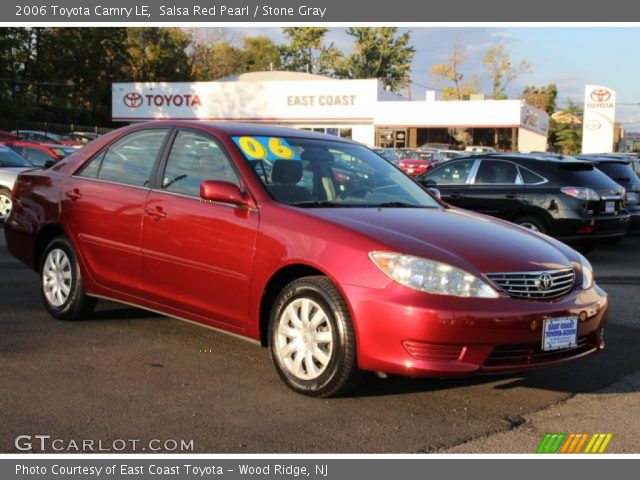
{"points": [[198, 256], [495, 189], [102, 207], [451, 180]]}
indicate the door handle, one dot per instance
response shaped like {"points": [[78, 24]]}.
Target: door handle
{"points": [[156, 213], [455, 195], [512, 195], [73, 195]]}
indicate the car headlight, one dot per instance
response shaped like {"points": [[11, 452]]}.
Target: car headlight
{"points": [[587, 272], [431, 277]]}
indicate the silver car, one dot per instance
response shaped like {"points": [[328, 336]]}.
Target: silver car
{"points": [[11, 164]]}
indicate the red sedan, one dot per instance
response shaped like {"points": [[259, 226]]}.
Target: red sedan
{"points": [[244, 228], [417, 163]]}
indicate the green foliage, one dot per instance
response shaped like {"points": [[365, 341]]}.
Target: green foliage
{"points": [[307, 52], [158, 54], [543, 98], [260, 53], [378, 53], [566, 130]]}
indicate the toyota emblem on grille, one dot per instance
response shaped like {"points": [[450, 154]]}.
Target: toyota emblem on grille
{"points": [[545, 281]]}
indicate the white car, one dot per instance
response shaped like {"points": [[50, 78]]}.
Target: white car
{"points": [[11, 164], [479, 149]]}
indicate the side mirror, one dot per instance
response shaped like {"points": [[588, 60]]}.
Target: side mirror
{"points": [[49, 163], [435, 192], [224, 192]]}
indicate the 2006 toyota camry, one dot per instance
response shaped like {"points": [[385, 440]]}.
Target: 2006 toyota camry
{"points": [[312, 245]]}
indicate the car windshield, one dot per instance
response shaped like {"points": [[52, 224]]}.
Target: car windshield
{"points": [[10, 159], [324, 174]]}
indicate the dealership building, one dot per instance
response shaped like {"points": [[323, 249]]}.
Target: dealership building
{"points": [[359, 109]]}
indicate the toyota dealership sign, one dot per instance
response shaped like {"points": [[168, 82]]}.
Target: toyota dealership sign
{"points": [[599, 117]]}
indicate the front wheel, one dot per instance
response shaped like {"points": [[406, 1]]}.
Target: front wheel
{"points": [[5, 203], [533, 223], [61, 283], [311, 338]]}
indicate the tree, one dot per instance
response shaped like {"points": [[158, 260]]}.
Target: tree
{"points": [[307, 52], [260, 53], [501, 71], [158, 54], [566, 129], [450, 72], [212, 62], [379, 53], [543, 98]]}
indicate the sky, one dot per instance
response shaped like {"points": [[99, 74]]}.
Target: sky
{"points": [[569, 56]]}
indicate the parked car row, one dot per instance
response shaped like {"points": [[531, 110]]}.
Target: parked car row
{"points": [[72, 139], [577, 200]]}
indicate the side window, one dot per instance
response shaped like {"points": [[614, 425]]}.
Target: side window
{"points": [[92, 167], [496, 172], [530, 178], [195, 157], [36, 156], [451, 173], [130, 160]]}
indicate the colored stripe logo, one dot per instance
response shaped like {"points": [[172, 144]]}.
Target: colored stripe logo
{"points": [[574, 443]]}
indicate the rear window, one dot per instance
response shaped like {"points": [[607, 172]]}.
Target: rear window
{"points": [[583, 175], [617, 171]]}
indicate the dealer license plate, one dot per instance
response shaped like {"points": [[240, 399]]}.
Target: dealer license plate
{"points": [[632, 197], [561, 332], [610, 207]]}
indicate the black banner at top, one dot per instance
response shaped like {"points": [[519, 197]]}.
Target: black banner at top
{"points": [[313, 11]]}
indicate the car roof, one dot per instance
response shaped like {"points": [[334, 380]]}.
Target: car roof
{"points": [[528, 157]]}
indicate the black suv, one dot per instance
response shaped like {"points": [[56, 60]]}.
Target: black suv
{"points": [[567, 199], [620, 169]]}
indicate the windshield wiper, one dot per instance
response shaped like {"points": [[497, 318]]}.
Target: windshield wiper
{"points": [[318, 204], [399, 205]]}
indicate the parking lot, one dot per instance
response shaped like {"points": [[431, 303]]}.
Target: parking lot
{"points": [[130, 374]]}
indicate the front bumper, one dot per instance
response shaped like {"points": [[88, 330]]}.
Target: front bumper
{"points": [[405, 332]]}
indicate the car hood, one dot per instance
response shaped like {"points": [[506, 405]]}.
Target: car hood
{"points": [[474, 242]]}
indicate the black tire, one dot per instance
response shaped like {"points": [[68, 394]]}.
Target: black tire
{"points": [[340, 373], [533, 222], [5, 194], [76, 305]]}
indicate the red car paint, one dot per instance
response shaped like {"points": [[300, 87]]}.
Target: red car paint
{"points": [[211, 262]]}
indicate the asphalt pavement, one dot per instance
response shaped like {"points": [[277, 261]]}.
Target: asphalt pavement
{"points": [[130, 374]]}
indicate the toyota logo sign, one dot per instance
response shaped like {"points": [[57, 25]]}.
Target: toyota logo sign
{"points": [[132, 99], [545, 281], [600, 95]]}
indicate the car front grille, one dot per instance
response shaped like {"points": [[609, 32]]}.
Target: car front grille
{"points": [[532, 354], [541, 285]]}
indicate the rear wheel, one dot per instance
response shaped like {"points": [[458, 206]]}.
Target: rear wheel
{"points": [[532, 223], [5, 203], [61, 282], [311, 338]]}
